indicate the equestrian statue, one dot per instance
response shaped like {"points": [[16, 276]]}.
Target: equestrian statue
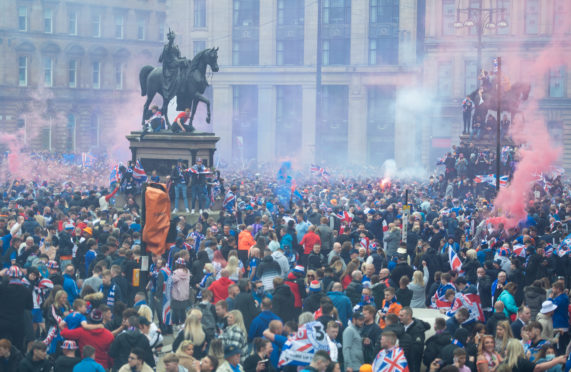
{"points": [[180, 77]]}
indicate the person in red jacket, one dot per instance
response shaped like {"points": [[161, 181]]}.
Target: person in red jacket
{"points": [[291, 282], [308, 241], [100, 338], [220, 286]]}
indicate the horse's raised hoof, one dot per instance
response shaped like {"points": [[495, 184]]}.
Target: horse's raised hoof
{"points": [[208, 119]]}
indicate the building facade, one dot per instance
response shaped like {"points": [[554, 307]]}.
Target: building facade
{"points": [[265, 102], [69, 68], [450, 64]]}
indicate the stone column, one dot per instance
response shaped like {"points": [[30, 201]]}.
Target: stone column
{"points": [[357, 123], [222, 119], [359, 32], [308, 125], [266, 123], [268, 21]]}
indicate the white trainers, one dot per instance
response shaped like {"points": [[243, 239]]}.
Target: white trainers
{"points": [[175, 210], [187, 211], [192, 212]]}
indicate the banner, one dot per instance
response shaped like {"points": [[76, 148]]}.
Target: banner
{"points": [[157, 212], [299, 350]]}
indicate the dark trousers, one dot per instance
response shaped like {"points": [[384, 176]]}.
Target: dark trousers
{"points": [[243, 256], [467, 115]]}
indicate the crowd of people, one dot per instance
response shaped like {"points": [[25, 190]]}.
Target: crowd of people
{"points": [[325, 281]]}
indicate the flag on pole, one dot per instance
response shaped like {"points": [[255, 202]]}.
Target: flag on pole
{"points": [[138, 172], [455, 263]]}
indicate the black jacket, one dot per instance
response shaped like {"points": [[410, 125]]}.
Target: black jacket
{"points": [[433, 346], [353, 291], [413, 343], [244, 302], [122, 345], [283, 302], [493, 322], [312, 302], [534, 297], [12, 363], [485, 291], [65, 364], [29, 365], [400, 270]]}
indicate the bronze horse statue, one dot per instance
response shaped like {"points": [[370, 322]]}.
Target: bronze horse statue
{"points": [[191, 85], [510, 99]]}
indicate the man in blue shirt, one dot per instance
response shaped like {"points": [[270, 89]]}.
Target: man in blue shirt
{"points": [[274, 334], [69, 284], [561, 314], [88, 364]]}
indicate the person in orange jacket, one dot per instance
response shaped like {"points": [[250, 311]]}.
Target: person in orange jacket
{"points": [[389, 306], [245, 242]]}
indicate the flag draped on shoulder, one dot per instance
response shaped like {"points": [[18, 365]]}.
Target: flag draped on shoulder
{"points": [[299, 349], [167, 287], [391, 360]]}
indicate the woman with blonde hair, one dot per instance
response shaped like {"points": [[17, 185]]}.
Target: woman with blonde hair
{"points": [[233, 268], [488, 359], [185, 356], [236, 334], [193, 331], [216, 351], [418, 287], [516, 361], [503, 335]]}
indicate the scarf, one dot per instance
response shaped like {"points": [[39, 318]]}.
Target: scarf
{"points": [[111, 296], [388, 304]]}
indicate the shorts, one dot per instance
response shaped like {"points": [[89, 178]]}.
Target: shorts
{"points": [[37, 316]]}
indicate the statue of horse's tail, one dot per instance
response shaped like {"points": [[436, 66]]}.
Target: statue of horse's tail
{"points": [[145, 71]]}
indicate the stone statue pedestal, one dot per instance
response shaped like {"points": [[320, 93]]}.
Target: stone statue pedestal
{"points": [[159, 151]]}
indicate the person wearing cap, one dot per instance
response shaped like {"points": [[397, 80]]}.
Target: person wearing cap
{"points": [[37, 359], [68, 359], [545, 318], [313, 301], [100, 338], [197, 185], [232, 364], [180, 181], [353, 343]]}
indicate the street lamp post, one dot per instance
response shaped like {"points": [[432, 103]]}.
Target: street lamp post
{"points": [[481, 18]]}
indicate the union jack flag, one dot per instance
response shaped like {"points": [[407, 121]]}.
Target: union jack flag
{"points": [[455, 263], [114, 177], [563, 248], [519, 250], [391, 360], [319, 170], [138, 172], [548, 250], [87, 159], [229, 200], [344, 216]]}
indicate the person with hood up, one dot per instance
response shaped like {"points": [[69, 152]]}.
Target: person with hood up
{"points": [[220, 286], [283, 300], [293, 285], [279, 256], [128, 340], [180, 292]]}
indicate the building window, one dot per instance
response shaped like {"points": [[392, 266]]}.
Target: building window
{"points": [[23, 71], [532, 17], [289, 52], [506, 5], [245, 52], [445, 79], [71, 133], [94, 131], [557, 79], [448, 16], [96, 75], [141, 28], [96, 25], [199, 13], [560, 15], [336, 51], [384, 51], [22, 18], [119, 75], [72, 22], [245, 121], [48, 21], [384, 11], [336, 12], [246, 13], [380, 123], [288, 101], [198, 46], [291, 12], [334, 122], [48, 71], [119, 26], [470, 74], [72, 74]]}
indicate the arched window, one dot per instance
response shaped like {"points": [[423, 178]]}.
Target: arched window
{"points": [[70, 141]]}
